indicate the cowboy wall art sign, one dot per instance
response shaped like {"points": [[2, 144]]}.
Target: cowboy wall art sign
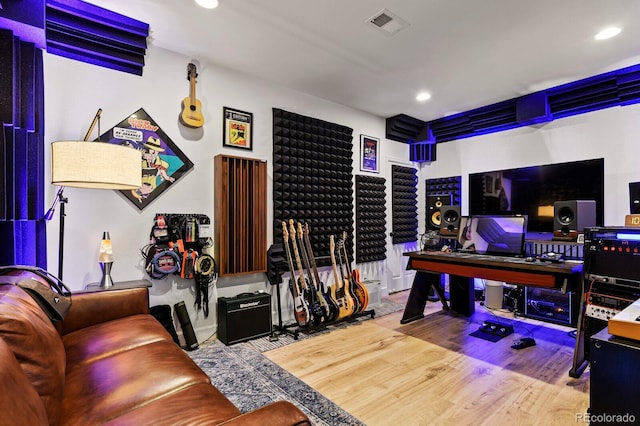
{"points": [[162, 161]]}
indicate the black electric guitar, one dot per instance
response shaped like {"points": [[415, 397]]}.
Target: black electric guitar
{"points": [[330, 303], [317, 315], [318, 305], [360, 290], [300, 308], [191, 115], [340, 287], [346, 277]]}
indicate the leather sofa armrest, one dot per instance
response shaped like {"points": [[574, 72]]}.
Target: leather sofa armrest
{"points": [[90, 308], [277, 413]]}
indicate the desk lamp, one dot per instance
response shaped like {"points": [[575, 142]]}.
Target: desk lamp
{"points": [[93, 165]]}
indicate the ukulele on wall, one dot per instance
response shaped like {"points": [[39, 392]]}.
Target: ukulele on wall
{"points": [[191, 115]]}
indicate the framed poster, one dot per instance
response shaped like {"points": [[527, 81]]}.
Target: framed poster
{"points": [[162, 161], [238, 129], [369, 154]]}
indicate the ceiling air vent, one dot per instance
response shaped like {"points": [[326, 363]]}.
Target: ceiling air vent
{"points": [[387, 21]]}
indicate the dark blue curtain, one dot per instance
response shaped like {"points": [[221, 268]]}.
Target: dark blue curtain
{"points": [[22, 230]]}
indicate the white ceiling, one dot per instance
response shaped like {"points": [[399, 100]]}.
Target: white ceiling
{"points": [[466, 53]]}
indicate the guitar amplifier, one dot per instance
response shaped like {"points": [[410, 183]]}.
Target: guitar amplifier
{"points": [[244, 317]]}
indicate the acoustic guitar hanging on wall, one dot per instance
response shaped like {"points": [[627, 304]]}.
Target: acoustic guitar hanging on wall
{"points": [[191, 115]]}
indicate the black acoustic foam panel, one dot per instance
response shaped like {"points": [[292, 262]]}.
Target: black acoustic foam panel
{"points": [[404, 201], [371, 223], [313, 179]]}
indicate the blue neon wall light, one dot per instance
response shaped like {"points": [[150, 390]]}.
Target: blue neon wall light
{"points": [[615, 88]]}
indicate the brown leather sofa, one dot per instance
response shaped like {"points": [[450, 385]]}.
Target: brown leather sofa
{"points": [[108, 362]]}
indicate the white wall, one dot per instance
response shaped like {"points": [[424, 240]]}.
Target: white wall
{"points": [[73, 93], [610, 133]]}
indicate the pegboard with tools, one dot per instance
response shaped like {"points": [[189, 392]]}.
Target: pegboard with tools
{"points": [[179, 244]]}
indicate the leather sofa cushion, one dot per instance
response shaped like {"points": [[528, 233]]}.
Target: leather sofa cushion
{"points": [[20, 403], [196, 405], [106, 388], [112, 337], [36, 345]]}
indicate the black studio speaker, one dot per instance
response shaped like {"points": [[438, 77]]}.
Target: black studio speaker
{"points": [[244, 317], [634, 197], [570, 218], [434, 204], [449, 221]]}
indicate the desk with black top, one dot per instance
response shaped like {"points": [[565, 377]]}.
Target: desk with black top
{"points": [[464, 267]]}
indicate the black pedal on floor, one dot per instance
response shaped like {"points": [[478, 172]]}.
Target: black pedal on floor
{"points": [[496, 328]]}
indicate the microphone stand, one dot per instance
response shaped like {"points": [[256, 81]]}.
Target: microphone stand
{"points": [[60, 198]]}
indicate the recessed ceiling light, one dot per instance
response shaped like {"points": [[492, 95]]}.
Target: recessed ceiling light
{"points": [[423, 96], [208, 4], [607, 33]]}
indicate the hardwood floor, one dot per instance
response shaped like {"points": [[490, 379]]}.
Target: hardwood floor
{"points": [[431, 372]]}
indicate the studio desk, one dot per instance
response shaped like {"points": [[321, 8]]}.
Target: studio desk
{"points": [[464, 267]]}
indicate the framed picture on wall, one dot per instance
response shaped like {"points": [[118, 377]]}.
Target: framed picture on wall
{"points": [[369, 154], [163, 163], [238, 129]]}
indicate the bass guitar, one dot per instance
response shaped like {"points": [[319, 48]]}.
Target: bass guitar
{"points": [[326, 292], [317, 314], [359, 289], [340, 287], [300, 308], [320, 306], [346, 277], [191, 115]]}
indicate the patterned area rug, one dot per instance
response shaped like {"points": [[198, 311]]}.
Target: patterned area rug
{"points": [[263, 344], [250, 380]]}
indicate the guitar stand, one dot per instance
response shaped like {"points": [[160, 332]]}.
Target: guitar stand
{"points": [[279, 330]]}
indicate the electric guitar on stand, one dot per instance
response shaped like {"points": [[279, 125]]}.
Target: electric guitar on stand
{"points": [[191, 115], [300, 309], [340, 287], [317, 315], [346, 277], [329, 302], [318, 305], [359, 289]]}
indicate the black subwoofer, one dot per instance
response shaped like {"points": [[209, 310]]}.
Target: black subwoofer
{"points": [[244, 317]]}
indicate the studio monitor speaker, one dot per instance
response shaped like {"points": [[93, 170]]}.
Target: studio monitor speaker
{"points": [[244, 317], [634, 197], [449, 221], [570, 218], [434, 204]]}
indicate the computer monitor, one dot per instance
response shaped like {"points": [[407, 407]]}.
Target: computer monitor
{"points": [[493, 234]]}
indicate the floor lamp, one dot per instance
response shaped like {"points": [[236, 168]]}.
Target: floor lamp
{"points": [[94, 165]]}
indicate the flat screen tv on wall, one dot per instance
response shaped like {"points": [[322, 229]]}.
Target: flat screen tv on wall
{"points": [[531, 191]]}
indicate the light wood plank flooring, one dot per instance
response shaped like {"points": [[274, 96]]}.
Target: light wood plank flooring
{"points": [[431, 372]]}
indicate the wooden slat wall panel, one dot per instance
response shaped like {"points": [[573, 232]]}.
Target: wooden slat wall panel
{"points": [[240, 215]]}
